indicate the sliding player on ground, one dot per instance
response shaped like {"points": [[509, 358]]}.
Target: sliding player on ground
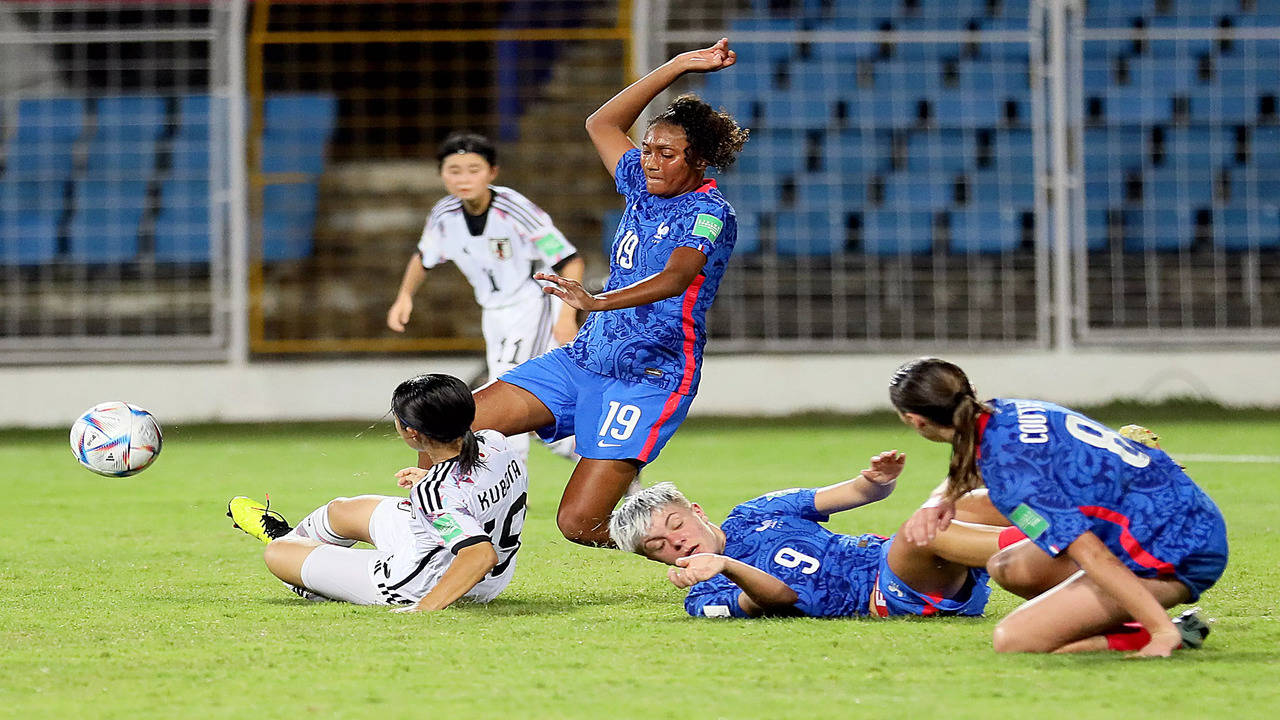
{"points": [[455, 536], [771, 556]]}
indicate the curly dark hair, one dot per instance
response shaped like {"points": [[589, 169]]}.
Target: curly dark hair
{"points": [[714, 136]]}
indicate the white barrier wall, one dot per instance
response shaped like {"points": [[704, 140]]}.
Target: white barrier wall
{"points": [[732, 385]]}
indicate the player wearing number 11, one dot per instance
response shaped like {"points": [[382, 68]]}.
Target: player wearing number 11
{"points": [[1137, 534]]}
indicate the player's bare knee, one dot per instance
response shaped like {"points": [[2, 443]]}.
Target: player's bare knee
{"points": [[578, 526]]}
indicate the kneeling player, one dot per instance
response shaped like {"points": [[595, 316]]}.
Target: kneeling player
{"points": [[771, 556], [455, 536]]}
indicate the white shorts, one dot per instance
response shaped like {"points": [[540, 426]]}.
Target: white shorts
{"points": [[519, 332], [348, 574]]}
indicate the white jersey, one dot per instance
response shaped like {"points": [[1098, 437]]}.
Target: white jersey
{"points": [[451, 510], [517, 241]]}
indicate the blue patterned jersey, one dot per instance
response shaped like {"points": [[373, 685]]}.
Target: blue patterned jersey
{"points": [[779, 533], [659, 343], [1057, 474]]}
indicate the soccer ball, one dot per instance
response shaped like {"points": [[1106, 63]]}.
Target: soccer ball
{"points": [[116, 439]]}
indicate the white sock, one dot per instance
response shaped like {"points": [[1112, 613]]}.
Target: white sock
{"points": [[316, 526]]}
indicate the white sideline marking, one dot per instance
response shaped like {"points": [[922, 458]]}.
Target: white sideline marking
{"points": [[1272, 459]]}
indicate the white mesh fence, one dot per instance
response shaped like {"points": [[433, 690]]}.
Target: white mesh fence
{"points": [[113, 180]]}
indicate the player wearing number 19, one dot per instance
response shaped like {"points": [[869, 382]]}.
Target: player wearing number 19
{"points": [[1142, 534], [626, 381]]}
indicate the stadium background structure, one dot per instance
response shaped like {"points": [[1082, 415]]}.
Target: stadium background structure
{"points": [[1087, 185]]}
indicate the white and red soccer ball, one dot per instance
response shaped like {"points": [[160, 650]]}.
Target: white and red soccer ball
{"points": [[116, 439]]}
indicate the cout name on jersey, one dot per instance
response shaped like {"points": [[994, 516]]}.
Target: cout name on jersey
{"points": [[1033, 425], [492, 495]]}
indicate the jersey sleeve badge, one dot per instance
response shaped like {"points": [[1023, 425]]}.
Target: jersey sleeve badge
{"points": [[707, 226]]}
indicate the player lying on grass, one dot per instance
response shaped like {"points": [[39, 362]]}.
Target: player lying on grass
{"points": [[1120, 531], [772, 557], [455, 536]]}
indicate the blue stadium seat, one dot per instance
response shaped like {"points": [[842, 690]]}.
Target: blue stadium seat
{"points": [[986, 230], [1163, 226], [891, 232], [809, 232], [942, 151], [856, 153], [771, 152], [27, 237], [1221, 105], [1014, 154], [42, 146], [1252, 75], [1133, 105], [19, 195], [105, 220], [748, 231], [296, 130], [288, 221], [1179, 186], [1241, 227], [182, 225], [989, 190], [124, 140], [1199, 148], [908, 191], [1114, 148]]}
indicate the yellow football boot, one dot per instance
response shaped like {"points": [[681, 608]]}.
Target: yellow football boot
{"points": [[256, 518]]}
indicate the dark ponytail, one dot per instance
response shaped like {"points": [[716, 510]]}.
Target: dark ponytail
{"points": [[940, 391], [441, 408]]}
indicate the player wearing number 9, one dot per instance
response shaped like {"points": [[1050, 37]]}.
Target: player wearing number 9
{"points": [[627, 380], [1117, 531]]}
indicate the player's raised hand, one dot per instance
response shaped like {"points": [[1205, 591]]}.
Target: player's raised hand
{"points": [[885, 467], [568, 290], [925, 524], [691, 570], [410, 476], [711, 59], [398, 315]]}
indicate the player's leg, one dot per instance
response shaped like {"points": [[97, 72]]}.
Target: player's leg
{"points": [[593, 491], [942, 567], [975, 507], [1027, 571], [1075, 616], [342, 521], [285, 556], [332, 572]]}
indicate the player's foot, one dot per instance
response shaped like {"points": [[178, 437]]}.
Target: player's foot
{"points": [[256, 518], [1141, 435], [1193, 627]]}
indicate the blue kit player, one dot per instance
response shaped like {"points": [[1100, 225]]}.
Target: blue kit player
{"points": [[772, 557], [626, 381], [1117, 532]]}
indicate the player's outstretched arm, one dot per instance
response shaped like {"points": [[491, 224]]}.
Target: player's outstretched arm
{"points": [[467, 569], [682, 268], [872, 484], [414, 274], [608, 126], [761, 592]]}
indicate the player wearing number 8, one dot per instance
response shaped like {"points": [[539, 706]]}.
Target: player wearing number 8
{"points": [[1117, 531], [626, 381]]}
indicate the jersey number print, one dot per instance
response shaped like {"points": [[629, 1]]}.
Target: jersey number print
{"points": [[791, 558], [1091, 433], [627, 250]]}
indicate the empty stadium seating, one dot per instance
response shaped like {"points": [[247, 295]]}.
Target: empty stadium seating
{"points": [[1180, 130], [119, 179]]}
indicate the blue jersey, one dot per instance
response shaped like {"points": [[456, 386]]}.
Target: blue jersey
{"points": [[832, 574], [659, 343], [1057, 474]]}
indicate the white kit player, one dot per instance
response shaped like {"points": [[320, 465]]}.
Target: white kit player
{"points": [[499, 239], [455, 536]]}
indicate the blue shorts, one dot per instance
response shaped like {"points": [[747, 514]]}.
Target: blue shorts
{"points": [[891, 596], [613, 419], [1200, 569]]}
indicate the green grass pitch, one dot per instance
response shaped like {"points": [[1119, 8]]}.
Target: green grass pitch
{"points": [[135, 598]]}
